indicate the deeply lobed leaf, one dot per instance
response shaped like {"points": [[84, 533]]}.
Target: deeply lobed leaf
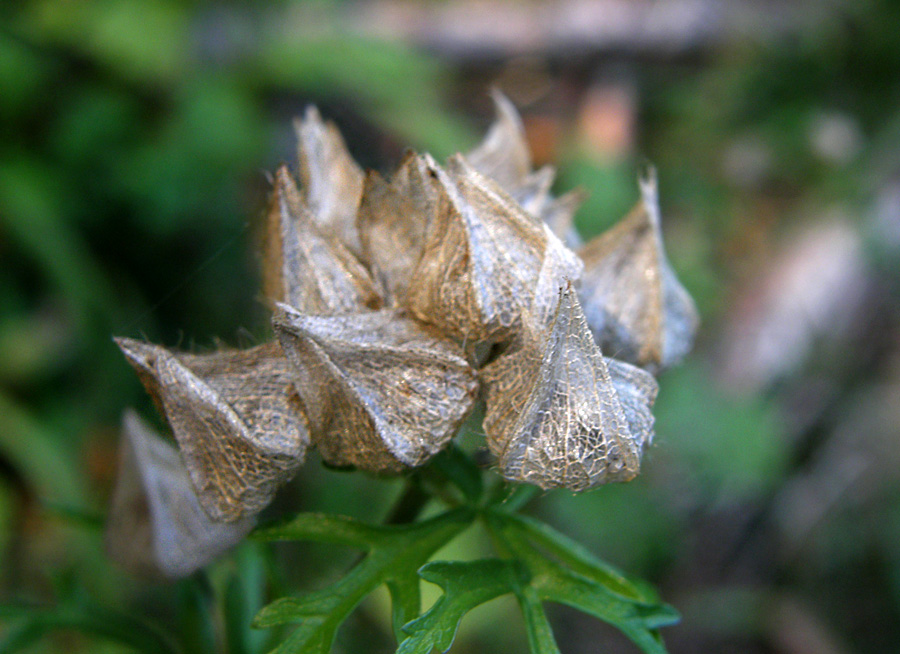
{"points": [[394, 554], [569, 577]]}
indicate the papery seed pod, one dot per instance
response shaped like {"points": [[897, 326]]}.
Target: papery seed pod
{"points": [[559, 415], [383, 392], [560, 267], [236, 416], [533, 191], [636, 390], [156, 527], [307, 268], [393, 220], [503, 154], [481, 260], [636, 307], [331, 180], [559, 214]]}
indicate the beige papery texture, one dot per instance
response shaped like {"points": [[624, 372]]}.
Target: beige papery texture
{"points": [[307, 267], [560, 415], [393, 219], [503, 156], [382, 391], [482, 258], [330, 179], [156, 527], [236, 416], [636, 307]]}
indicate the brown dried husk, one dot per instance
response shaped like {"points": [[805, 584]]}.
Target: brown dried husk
{"points": [[482, 259], [236, 416], [307, 268], [393, 220], [634, 304], [383, 392], [156, 527], [503, 156], [559, 415]]}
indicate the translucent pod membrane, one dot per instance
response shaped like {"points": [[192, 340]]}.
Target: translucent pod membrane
{"points": [[560, 415], [156, 527], [236, 416]]}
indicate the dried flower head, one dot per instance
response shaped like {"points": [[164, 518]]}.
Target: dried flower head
{"points": [[397, 299]]}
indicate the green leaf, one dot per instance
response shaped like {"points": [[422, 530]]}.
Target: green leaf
{"points": [[33, 216], [509, 498], [37, 456], [394, 555], [322, 528], [466, 585], [562, 571], [406, 600], [243, 599], [196, 619], [540, 633], [82, 616], [576, 557]]}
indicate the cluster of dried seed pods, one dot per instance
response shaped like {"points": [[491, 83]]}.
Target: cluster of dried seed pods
{"points": [[398, 304]]}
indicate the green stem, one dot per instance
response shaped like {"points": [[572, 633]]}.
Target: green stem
{"points": [[409, 505]]}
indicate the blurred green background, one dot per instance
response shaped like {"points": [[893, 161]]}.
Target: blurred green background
{"points": [[136, 142]]}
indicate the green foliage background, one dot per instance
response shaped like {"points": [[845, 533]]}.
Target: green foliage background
{"points": [[135, 136]]}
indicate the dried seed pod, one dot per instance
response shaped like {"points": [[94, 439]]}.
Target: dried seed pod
{"points": [[237, 418], [503, 154], [331, 180], [383, 392], [306, 268], [504, 157], [533, 191], [392, 221], [559, 214], [481, 260], [559, 415], [637, 309], [561, 266], [156, 526]]}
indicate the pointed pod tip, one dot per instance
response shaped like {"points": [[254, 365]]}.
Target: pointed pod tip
{"points": [[567, 296], [282, 314], [131, 423], [647, 174], [506, 110], [310, 115], [647, 181], [289, 321], [139, 353], [283, 176]]}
